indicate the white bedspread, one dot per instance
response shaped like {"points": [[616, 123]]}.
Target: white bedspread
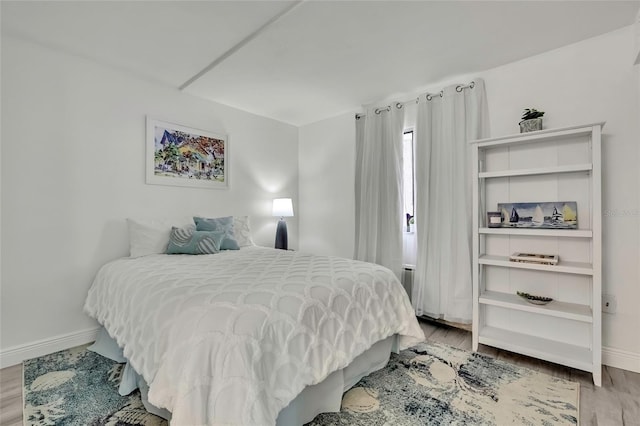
{"points": [[232, 338]]}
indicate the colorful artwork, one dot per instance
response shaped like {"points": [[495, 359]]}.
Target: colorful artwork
{"points": [[182, 156], [553, 215]]}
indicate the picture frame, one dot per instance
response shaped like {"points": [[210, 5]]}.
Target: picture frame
{"points": [[178, 155], [544, 215], [494, 219]]}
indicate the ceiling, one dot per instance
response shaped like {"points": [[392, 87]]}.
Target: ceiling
{"points": [[321, 58]]}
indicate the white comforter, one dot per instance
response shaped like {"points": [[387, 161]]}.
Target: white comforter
{"points": [[232, 338]]}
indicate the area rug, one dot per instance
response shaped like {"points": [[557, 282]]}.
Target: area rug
{"points": [[429, 384]]}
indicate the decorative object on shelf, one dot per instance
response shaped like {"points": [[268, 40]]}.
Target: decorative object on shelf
{"points": [[548, 215], [542, 259], [536, 300], [282, 207], [410, 222], [494, 219], [183, 156], [531, 120]]}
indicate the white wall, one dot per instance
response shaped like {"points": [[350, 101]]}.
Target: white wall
{"points": [[593, 80], [326, 158], [73, 144], [636, 49], [637, 212]]}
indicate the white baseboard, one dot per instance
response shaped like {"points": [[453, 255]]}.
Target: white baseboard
{"points": [[612, 357], [16, 354], [618, 358]]}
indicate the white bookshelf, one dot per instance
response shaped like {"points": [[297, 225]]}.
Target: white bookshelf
{"points": [[551, 165]]}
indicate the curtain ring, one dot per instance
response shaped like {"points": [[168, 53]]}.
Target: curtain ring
{"points": [[429, 96], [418, 99], [399, 105], [377, 111], [441, 93], [460, 87]]}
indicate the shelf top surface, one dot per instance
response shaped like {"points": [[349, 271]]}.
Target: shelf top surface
{"points": [[568, 168], [542, 232], [555, 351], [557, 308], [539, 133], [570, 267], [496, 258]]}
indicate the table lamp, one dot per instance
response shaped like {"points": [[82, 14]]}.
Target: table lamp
{"points": [[282, 207]]}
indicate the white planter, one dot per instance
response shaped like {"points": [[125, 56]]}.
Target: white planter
{"points": [[531, 125]]}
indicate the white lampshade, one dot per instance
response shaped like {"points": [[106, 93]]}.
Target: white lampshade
{"points": [[282, 207]]}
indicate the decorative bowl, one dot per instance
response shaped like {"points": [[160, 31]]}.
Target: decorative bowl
{"points": [[536, 300]]}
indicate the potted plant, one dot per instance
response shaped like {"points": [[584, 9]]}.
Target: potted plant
{"points": [[531, 120]]}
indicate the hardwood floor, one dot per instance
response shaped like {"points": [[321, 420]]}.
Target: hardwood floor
{"points": [[11, 396], [617, 402]]}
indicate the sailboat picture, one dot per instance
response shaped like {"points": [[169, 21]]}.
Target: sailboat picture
{"points": [[551, 215]]}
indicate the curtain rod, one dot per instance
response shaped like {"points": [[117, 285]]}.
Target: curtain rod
{"points": [[428, 96]]}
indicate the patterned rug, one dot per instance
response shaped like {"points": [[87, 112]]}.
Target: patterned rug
{"points": [[429, 384]]}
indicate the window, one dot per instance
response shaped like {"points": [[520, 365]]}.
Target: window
{"points": [[409, 197]]}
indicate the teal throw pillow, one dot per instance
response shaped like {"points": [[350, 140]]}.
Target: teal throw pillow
{"points": [[190, 241], [219, 224]]}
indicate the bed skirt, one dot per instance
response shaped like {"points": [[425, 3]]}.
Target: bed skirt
{"points": [[323, 397]]}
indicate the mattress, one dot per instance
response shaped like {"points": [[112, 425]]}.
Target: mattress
{"points": [[233, 338]]}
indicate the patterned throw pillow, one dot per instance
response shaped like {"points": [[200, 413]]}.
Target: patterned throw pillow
{"points": [[219, 224], [191, 241]]}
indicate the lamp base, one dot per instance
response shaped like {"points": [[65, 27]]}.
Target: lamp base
{"points": [[282, 239]]}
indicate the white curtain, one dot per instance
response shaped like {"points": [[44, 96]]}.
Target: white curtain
{"points": [[442, 285], [379, 187]]}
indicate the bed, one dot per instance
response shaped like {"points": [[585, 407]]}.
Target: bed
{"points": [[255, 336]]}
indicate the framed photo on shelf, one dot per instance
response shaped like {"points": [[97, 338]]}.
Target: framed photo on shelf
{"points": [[183, 156], [546, 215], [494, 219]]}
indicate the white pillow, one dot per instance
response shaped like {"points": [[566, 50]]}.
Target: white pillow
{"points": [[151, 236], [242, 231]]}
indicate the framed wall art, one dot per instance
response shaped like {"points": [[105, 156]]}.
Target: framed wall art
{"points": [[183, 156], [549, 215]]}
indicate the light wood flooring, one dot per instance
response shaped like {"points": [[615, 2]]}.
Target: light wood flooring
{"points": [[11, 396], [617, 402]]}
